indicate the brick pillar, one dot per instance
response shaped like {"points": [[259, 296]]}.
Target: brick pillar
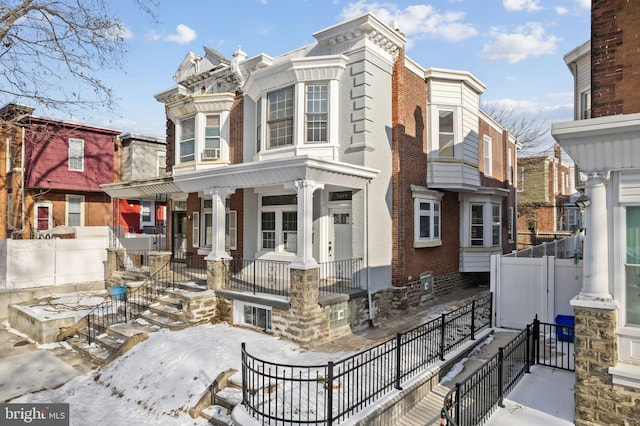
{"points": [[596, 349], [305, 322], [115, 261], [157, 260]]}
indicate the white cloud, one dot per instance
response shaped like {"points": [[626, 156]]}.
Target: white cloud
{"points": [[561, 10], [418, 20], [585, 4], [527, 41], [183, 35], [517, 5]]}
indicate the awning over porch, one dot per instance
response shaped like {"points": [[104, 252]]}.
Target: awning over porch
{"points": [[249, 175]]}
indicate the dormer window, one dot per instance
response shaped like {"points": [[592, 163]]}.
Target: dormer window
{"points": [[187, 139], [280, 117]]}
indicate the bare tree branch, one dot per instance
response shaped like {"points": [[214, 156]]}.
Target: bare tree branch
{"points": [[529, 129], [45, 44]]}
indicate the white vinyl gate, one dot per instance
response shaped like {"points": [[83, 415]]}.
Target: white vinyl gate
{"points": [[524, 287]]}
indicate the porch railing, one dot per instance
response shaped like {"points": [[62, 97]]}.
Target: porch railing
{"points": [[473, 400], [258, 276], [339, 276], [331, 393]]}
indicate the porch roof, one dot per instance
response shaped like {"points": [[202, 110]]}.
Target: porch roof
{"points": [[250, 175]]}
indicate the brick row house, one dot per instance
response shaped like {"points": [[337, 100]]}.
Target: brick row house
{"points": [[343, 160], [604, 143], [546, 199], [51, 173]]}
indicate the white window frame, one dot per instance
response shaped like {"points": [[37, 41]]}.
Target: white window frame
{"points": [[195, 229], [239, 310], [143, 206], [585, 105], [281, 117], [76, 160], [453, 134], [210, 150], [231, 230], [510, 165], [184, 158], [316, 113], [9, 156], [161, 163], [480, 225], [68, 211], [422, 195], [488, 155], [496, 222], [278, 210]]}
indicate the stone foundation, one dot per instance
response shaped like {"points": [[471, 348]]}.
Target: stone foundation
{"points": [[598, 400], [200, 307]]}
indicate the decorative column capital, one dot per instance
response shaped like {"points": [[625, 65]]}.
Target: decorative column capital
{"points": [[595, 176], [303, 184], [221, 192]]}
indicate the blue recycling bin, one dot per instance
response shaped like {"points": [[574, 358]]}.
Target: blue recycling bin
{"points": [[118, 292], [564, 328]]}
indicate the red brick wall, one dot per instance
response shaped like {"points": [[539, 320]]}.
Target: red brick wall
{"points": [[409, 167], [615, 57]]}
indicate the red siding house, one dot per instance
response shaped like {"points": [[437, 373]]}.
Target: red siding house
{"points": [[53, 172]]}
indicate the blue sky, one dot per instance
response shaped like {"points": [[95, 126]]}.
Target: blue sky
{"points": [[515, 47]]}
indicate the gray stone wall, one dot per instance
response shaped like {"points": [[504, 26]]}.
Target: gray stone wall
{"points": [[599, 401]]}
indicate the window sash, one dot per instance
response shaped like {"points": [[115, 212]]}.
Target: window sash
{"points": [[74, 211], [280, 104], [76, 154], [477, 225], [496, 225], [446, 133], [487, 155], [316, 113], [427, 224], [632, 265], [187, 139], [145, 211], [212, 132], [268, 227], [231, 230], [195, 229]]}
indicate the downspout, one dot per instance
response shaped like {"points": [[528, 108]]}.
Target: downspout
{"points": [[366, 245]]}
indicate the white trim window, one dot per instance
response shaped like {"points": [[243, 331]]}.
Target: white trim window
{"points": [[8, 156], [195, 229], [487, 152], [317, 113], [145, 212], [74, 207], [632, 266], [161, 163], [279, 223], [211, 138], [280, 108], [446, 132], [187, 139], [477, 225], [496, 225], [510, 165], [427, 219], [76, 155], [585, 105], [231, 230]]}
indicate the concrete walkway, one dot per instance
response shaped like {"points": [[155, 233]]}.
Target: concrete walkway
{"points": [[32, 372], [427, 411]]}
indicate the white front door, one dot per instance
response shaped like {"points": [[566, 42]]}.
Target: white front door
{"points": [[339, 247]]}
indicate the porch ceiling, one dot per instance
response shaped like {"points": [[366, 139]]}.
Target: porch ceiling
{"points": [[277, 172], [603, 143], [141, 188]]}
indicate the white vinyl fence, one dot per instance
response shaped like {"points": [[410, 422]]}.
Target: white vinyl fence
{"points": [[50, 262], [527, 286]]}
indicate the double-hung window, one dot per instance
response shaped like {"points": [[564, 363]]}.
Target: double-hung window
{"points": [[496, 225], [316, 113], [427, 219], [585, 105], [446, 137], [212, 138], [487, 145], [477, 225], [145, 211], [280, 107], [74, 210], [76, 154], [187, 139], [632, 265]]}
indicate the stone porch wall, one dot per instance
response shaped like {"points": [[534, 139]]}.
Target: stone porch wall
{"points": [[599, 401]]}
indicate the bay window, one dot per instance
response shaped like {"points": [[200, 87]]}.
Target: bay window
{"points": [[280, 107], [477, 225], [446, 135], [496, 225], [212, 138]]}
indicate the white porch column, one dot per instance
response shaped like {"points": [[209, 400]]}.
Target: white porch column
{"points": [[305, 189], [218, 213], [595, 284]]}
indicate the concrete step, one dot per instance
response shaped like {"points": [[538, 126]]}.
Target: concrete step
{"points": [[194, 286], [163, 321], [171, 299], [168, 311], [94, 352]]}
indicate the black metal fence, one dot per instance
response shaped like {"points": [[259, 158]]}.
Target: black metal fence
{"points": [[278, 394], [339, 276], [473, 400], [258, 276]]}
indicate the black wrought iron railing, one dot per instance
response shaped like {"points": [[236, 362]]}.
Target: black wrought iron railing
{"points": [[339, 276], [258, 276], [473, 400], [278, 394]]}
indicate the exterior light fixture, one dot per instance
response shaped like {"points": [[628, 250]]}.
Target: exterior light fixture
{"points": [[583, 202]]}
